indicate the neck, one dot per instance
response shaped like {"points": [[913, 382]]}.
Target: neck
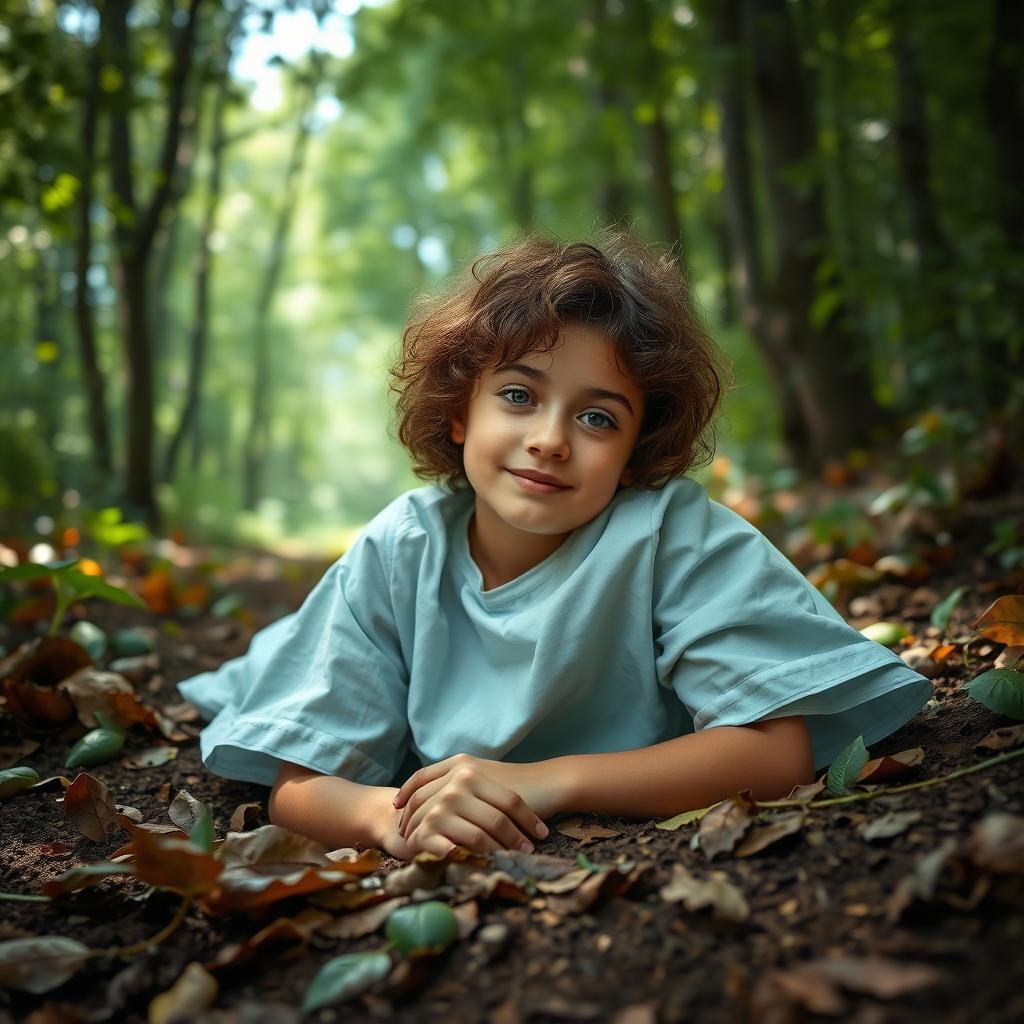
{"points": [[504, 555]]}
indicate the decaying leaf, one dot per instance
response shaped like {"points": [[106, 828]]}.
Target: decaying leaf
{"points": [[151, 757], [41, 963], [682, 819], [256, 885], [84, 877], [245, 815], [1004, 738], [807, 792], [764, 835], [996, 843], [889, 825], [185, 810], [363, 922], [192, 993], [717, 892], [725, 824], [601, 885], [585, 831], [90, 808], [272, 843], [1003, 620], [173, 863], [890, 766], [91, 690], [284, 930]]}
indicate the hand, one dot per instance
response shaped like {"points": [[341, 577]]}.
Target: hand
{"points": [[454, 802]]}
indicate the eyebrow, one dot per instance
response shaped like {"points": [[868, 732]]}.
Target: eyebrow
{"points": [[535, 374]]}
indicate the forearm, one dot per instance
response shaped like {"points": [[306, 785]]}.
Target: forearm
{"points": [[689, 771], [331, 810]]}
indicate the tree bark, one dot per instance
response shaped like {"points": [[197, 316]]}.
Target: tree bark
{"points": [[95, 397], [830, 384], [135, 229]]}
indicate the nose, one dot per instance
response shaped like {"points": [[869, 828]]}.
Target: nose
{"points": [[548, 438]]}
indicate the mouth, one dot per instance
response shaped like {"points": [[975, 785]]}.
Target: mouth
{"points": [[538, 483]]}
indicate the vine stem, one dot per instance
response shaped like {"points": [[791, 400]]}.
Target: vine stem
{"points": [[873, 794], [17, 897], [161, 936]]}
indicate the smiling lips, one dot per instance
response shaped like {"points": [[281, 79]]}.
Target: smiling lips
{"points": [[538, 483]]}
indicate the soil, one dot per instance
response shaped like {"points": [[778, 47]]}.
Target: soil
{"points": [[825, 894]]}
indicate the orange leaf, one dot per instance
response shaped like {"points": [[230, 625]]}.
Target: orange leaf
{"points": [[157, 590], [943, 651], [255, 885], [90, 807], [174, 863], [1003, 620], [891, 766]]}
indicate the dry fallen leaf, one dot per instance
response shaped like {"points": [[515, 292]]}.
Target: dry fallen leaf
{"points": [[185, 811], [358, 923], [90, 808], [725, 824], [1003, 620], [891, 765], [921, 882], [152, 757], [1003, 738], [996, 843], [765, 835], [889, 825], [272, 843], [585, 831], [726, 901], [192, 993], [245, 815], [285, 929]]}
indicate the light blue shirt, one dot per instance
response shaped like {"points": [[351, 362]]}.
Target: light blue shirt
{"points": [[666, 614]]}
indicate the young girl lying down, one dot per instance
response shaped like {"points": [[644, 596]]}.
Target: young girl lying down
{"points": [[562, 621]]}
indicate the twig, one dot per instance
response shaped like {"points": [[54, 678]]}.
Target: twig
{"points": [[161, 936], [872, 794], [17, 897]]}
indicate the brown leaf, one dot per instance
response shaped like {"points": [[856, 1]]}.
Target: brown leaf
{"points": [[1003, 620], [285, 929], [725, 824], [765, 835], [256, 885], [90, 808], [17, 754], [996, 843], [192, 993], [1003, 738], [245, 815], [585, 831], [40, 963], [717, 892], [605, 884], [568, 882], [185, 811], [54, 849], [133, 814], [943, 652], [51, 783], [808, 792], [894, 823], [873, 975], [922, 881], [891, 765], [363, 922], [30, 676], [173, 863], [1008, 657], [272, 844], [182, 712], [467, 917], [92, 690], [151, 757], [83, 877]]}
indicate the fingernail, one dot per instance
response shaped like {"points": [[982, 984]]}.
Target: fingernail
{"points": [[541, 829], [527, 848]]}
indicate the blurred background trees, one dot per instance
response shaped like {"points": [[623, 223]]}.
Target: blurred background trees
{"points": [[214, 216]]}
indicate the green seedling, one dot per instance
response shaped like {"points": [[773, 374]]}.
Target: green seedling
{"points": [[70, 584]]}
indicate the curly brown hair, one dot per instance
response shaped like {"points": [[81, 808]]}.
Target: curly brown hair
{"points": [[515, 301]]}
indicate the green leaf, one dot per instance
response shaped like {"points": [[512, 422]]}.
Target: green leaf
{"points": [[344, 977], [95, 747], [41, 963], [885, 633], [14, 780], [421, 928], [201, 834], [682, 819], [943, 611], [846, 767], [35, 570], [91, 637], [130, 643], [585, 862], [1001, 690], [95, 586]]}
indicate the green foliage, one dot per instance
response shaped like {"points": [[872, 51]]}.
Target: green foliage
{"points": [[843, 771], [1001, 690], [943, 611], [422, 928], [14, 780], [345, 976], [98, 745]]}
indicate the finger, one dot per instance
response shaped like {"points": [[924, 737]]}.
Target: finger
{"points": [[489, 826], [426, 774], [523, 822], [416, 802]]}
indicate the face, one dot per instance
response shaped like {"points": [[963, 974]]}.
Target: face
{"points": [[568, 415]]}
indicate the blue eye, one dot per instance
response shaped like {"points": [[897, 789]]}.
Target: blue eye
{"points": [[515, 391], [608, 424]]}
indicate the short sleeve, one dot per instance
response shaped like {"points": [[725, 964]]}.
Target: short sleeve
{"points": [[741, 636], [324, 687]]}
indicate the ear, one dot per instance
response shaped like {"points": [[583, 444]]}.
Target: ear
{"points": [[457, 427]]}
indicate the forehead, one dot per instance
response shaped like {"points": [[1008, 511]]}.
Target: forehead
{"points": [[581, 351]]}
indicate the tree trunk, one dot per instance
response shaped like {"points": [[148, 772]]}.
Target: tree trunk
{"points": [[256, 444], [612, 199], [135, 229], [95, 398], [831, 385]]}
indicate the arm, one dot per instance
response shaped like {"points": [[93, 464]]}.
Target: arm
{"points": [[691, 771], [332, 810]]}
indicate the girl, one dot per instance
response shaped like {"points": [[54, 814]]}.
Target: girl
{"points": [[563, 622]]}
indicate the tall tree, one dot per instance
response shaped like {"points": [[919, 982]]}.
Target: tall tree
{"points": [[135, 229]]}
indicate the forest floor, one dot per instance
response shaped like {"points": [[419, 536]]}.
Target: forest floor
{"points": [[896, 908]]}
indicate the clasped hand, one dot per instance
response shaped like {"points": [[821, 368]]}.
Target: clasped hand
{"points": [[472, 802]]}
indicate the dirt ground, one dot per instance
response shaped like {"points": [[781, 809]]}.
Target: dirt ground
{"points": [[834, 926]]}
